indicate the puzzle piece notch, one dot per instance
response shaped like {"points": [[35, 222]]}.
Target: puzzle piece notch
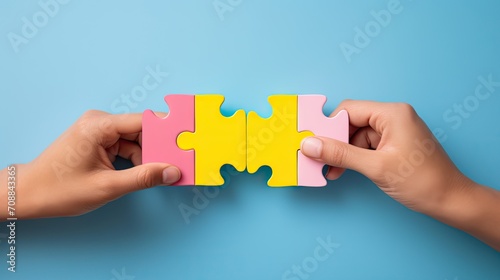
{"points": [[274, 141], [217, 140], [159, 136], [311, 118]]}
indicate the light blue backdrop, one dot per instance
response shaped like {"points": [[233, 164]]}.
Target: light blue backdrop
{"points": [[87, 54]]}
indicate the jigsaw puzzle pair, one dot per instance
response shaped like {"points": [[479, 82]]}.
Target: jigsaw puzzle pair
{"points": [[198, 139]]}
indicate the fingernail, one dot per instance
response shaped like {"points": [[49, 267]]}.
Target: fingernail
{"points": [[312, 147], [171, 175]]}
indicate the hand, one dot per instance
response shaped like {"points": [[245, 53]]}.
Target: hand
{"points": [[75, 174], [393, 147]]}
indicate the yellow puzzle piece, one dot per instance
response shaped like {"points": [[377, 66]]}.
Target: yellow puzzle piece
{"points": [[217, 140], [275, 141]]}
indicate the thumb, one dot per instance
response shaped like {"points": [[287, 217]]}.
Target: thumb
{"points": [[146, 176], [339, 154]]}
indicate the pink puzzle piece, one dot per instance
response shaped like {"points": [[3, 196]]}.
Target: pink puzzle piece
{"points": [[311, 118], [159, 136]]}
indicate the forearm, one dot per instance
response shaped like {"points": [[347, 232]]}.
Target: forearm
{"points": [[474, 209]]}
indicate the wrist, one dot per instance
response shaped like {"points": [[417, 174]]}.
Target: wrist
{"points": [[457, 206], [28, 197], [9, 186], [473, 208], [22, 192]]}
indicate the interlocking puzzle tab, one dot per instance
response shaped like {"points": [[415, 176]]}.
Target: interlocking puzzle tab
{"points": [[197, 138], [217, 140], [159, 136], [274, 141], [311, 118]]}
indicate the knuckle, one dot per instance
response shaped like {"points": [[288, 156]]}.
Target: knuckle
{"points": [[88, 117], [406, 109], [344, 103], [145, 179], [88, 123], [336, 155], [92, 113]]}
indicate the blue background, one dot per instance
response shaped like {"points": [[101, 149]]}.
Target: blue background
{"points": [[93, 52]]}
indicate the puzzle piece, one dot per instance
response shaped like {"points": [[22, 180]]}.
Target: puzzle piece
{"points": [[275, 141], [311, 118], [159, 136], [217, 140], [195, 136]]}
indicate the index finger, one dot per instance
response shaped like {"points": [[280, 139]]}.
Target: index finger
{"points": [[130, 123], [364, 113]]}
